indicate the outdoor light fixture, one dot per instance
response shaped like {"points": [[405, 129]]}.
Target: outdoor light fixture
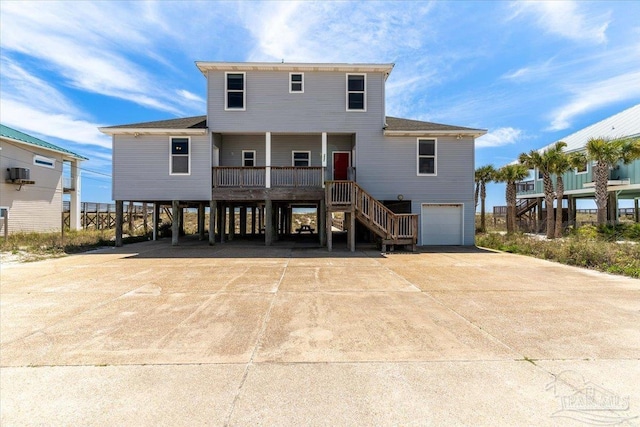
{"points": [[400, 197]]}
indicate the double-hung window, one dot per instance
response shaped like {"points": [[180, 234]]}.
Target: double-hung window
{"points": [[180, 163], [296, 82], [356, 92], [248, 158], [582, 168], [235, 91], [301, 158], [427, 157]]}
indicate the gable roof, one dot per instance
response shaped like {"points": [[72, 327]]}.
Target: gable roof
{"points": [[21, 137], [395, 125], [195, 125], [623, 124]]}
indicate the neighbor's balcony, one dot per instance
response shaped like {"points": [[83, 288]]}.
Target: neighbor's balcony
{"points": [[255, 177], [525, 187]]}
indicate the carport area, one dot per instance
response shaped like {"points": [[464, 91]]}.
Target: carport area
{"points": [[241, 334]]}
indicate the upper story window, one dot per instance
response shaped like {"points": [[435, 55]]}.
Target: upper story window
{"points": [[235, 91], [248, 158], [427, 157], [47, 162], [583, 168], [356, 92], [301, 158], [180, 163], [296, 82]]}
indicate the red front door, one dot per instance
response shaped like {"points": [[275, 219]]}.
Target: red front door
{"points": [[341, 163]]}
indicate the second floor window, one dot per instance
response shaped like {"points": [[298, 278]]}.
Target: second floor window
{"points": [[296, 82], [356, 92], [180, 161], [248, 158], [426, 157], [235, 91]]}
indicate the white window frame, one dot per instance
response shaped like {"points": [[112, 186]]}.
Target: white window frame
{"points": [[48, 161], [171, 138], [291, 82], [254, 158], [538, 174], [575, 170], [244, 91], [363, 110], [293, 160], [435, 156]]}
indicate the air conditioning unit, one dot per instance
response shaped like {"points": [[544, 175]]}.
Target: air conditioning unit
{"points": [[19, 173]]}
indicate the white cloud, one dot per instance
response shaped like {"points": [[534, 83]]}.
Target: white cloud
{"points": [[333, 31], [593, 95], [190, 96], [566, 19], [499, 137], [99, 47], [58, 125], [531, 72]]}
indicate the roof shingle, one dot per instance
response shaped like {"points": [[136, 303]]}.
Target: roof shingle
{"points": [[397, 124], [196, 122]]}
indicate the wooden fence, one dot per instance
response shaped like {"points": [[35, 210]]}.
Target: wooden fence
{"points": [[102, 216]]}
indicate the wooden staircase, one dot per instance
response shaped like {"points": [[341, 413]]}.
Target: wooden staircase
{"points": [[524, 205], [390, 227]]}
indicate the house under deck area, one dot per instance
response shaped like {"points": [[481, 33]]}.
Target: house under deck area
{"points": [[263, 199]]}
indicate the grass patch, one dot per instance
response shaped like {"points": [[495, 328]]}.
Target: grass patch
{"points": [[589, 247], [37, 246]]}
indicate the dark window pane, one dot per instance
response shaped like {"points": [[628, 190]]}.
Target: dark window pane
{"points": [[427, 148], [296, 77], [235, 82], [296, 87], [179, 146], [180, 164], [426, 165], [235, 100], [356, 83], [248, 155], [300, 155], [356, 101], [248, 162], [301, 163]]}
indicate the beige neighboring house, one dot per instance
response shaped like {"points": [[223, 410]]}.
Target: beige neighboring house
{"points": [[32, 190]]}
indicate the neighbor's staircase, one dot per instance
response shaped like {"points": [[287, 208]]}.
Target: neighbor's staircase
{"points": [[390, 227]]}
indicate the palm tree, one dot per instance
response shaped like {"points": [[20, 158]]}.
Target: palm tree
{"points": [[562, 162], [607, 153], [510, 174], [484, 175], [543, 162]]}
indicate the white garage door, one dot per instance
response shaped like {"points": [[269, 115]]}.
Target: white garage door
{"points": [[441, 224]]}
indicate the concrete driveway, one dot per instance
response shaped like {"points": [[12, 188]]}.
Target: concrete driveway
{"points": [[242, 335]]}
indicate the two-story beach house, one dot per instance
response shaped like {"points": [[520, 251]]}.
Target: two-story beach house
{"points": [[281, 135], [35, 183], [623, 184]]}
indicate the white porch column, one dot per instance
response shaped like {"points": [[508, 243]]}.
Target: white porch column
{"points": [[74, 208], [324, 157], [267, 161]]}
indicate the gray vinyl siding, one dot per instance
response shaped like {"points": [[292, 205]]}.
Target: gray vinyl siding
{"points": [[141, 169], [270, 106], [36, 207], [231, 146], [387, 167]]}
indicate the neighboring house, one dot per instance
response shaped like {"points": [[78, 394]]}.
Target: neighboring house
{"points": [[624, 180], [280, 135], [32, 190]]}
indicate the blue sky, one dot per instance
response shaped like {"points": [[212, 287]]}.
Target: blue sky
{"points": [[529, 72]]}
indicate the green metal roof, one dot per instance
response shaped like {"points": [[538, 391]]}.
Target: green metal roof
{"points": [[16, 135]]}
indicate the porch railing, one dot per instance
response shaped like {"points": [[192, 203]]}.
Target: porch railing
{"points": [[254, 177], [248, 177]]}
